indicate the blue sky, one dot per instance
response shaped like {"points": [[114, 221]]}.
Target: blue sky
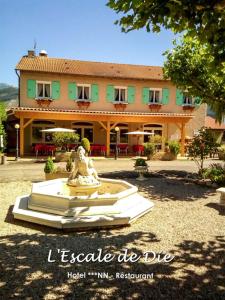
{"points": [[75, 29]]}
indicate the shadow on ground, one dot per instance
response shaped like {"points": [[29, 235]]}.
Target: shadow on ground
{"points": [[197, 272], [163, 188]]}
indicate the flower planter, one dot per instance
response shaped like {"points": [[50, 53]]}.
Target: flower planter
{"points": [[120, 106], [44, 102], [155, 106], [63, 156], [56, 175], [188, 107], [83, 104], [141, 170]]}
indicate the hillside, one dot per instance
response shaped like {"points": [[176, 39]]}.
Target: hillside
{"points": [[8, 94]]}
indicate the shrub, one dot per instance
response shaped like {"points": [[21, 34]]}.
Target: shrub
{"points": [[86, 144], [200, 147], [49, 166], [216, 173], [156, 139], [174, 147], [63, 139], [140, 162], [149, 149], [221, 152], [69, 165]]}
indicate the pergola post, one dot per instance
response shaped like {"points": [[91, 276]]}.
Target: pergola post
{"points": [[21, 136], [108, 138], [182, 139]]}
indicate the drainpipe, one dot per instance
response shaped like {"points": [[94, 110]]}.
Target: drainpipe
{"points": [[18, 86]]}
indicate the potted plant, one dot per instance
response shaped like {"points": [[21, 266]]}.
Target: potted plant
{"points": [[174, 147], [141, 167], [69, 165], [62, 140], [53, 173], [149, 150], [86, 145], [49, 167]]}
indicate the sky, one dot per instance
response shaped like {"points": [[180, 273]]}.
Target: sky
{"points": [[74, 29]]}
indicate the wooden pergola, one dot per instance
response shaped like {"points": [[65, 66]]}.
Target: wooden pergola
{"points": [[107, 119]]}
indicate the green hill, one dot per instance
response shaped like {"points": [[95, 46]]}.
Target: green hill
{"points": [[8, 94]]}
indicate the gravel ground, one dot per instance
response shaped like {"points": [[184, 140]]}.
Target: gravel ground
{"points": [[186, 222]]}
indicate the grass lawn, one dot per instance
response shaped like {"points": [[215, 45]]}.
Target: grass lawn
{"points": [[186, 221]]}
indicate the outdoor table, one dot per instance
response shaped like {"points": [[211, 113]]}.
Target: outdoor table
{"points": [[98, 148]]}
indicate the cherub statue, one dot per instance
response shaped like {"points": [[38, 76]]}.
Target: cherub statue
{"points": [[83, 170]]}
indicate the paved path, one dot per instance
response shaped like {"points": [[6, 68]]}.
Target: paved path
{"points": [[32, 171]]}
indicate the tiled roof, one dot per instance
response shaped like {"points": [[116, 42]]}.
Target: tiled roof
{"points": [[99, 112], [89, 68], [211, 123]]}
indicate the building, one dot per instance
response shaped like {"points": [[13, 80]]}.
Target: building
{"points": [[95, 97], [216, 129]]}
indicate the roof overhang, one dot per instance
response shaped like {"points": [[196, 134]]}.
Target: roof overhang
{"points": [[67, 114]]}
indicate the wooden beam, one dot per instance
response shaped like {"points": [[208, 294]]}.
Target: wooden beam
{"points": [[45, 115], [21, 136], [182, 139], [27, 123], [113, 126], [108, 139], [102, 124]]}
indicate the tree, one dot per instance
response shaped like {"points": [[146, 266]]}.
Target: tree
{"points": [[3, 115], [200, 147], [63, 139], [190, 66], [202, 18], [3, 136], [197, 65]]}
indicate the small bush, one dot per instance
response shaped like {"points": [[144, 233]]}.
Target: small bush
{"points": [[69, 165], [216, 173], [149, 149], [174, 147], [49, 166], [221, 152], [140, 162], [63, 139], [86, 144]]}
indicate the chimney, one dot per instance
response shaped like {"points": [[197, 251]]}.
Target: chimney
{"points": [[43, 53], [31, 53]]}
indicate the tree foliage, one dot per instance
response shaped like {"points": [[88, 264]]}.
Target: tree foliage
{"points": [[197, 65], [200, 147], [63, 139], [3, 114], [202, 18], [190, 66]]}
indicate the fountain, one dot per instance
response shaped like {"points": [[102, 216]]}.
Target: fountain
{"points": [[82, 201]]}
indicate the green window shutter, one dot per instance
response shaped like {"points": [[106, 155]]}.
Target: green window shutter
{"points": [[131, 94], [165, 95], [110, 93], [94, 93], [55, 90], [179, 97], [197, 101], [72, 90], [31, 88], [145, 95]]}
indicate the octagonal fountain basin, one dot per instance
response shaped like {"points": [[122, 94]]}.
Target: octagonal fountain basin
{"points": [[56, 204]]}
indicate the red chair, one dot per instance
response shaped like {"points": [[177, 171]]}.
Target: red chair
{"points": [[138, 149], [123, 148]]}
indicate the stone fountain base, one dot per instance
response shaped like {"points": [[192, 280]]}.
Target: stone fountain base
{"points": [[53, 203]]}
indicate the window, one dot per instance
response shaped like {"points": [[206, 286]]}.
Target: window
{"points": [[123, 137], [37, 135], [120, 94], [187, 100], [155, 95], [43, 90], [83, 92], [85, 130]]}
